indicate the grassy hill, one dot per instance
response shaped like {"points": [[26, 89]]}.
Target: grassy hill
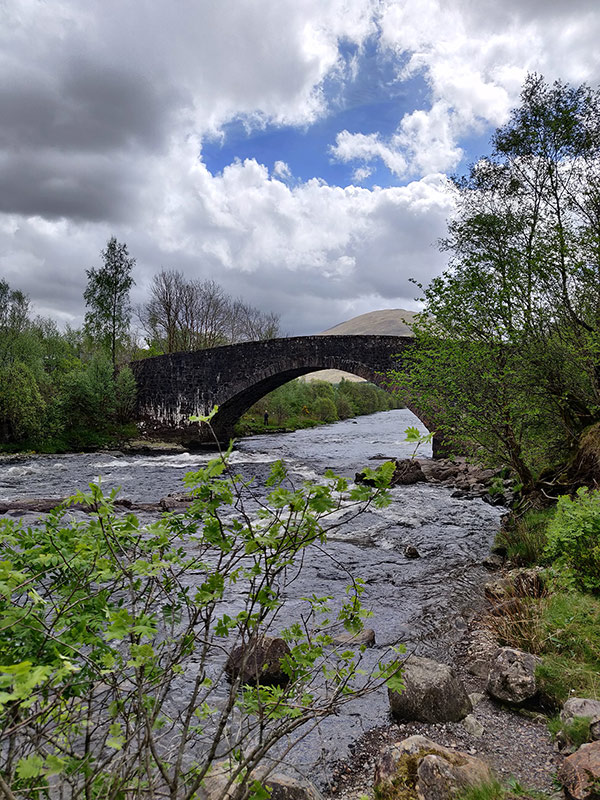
{"points": [[387, 322]]}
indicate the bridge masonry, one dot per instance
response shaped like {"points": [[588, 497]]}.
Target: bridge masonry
{"points": [[173, 387]]}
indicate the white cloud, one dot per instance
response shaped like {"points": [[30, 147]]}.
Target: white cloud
{"points": [[106, 105], [282, 171], [358, 146], [361, 174]]}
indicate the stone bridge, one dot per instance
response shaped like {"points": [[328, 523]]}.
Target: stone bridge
{"points": [[173, 387]]}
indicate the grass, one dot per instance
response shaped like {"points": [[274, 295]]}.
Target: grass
{"points": [[575, 733], [494, 790], [524, 538], [563, 628]]}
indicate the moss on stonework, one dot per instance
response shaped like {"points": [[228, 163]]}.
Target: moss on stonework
{"points": [[403, 786]]}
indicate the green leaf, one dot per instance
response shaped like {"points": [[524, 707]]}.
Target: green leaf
{"points": [[30, 767]]}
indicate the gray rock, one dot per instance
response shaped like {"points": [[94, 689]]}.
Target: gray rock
{"points": [[476, 698], [433, 772], [512, 676], [432, 693], [493, 562], [366, 637], [259, 662], [473, 726], [582, 707]]}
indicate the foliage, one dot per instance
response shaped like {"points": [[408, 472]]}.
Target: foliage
{"points": [[574, 733], [510, 338], [107, 296], [574, 539], [21, 404], [299, 404], [113, 638], [414, 436], [524, 537]]}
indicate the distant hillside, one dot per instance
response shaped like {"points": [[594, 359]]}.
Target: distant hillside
{"points": [[388, 322]]}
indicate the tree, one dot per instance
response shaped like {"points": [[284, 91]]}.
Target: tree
{"points": [[107, 296], [509, 344], [193, 315]]}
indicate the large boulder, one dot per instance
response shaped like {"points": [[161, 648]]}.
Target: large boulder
{"points": [[512, 676], [259, 661], [580, 773], [428, 770], [432, 693], [582, 707], [407, 472]]}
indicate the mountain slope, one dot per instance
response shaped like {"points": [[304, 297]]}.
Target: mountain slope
{"points": [[387, 322]]}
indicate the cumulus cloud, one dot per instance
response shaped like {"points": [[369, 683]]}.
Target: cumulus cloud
{"points": [[107, 105]]}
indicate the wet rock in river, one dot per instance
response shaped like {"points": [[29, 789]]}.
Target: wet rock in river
{"points": [[366, 637], [432, 693], [259, 661], [407, 472], [282, 787], [410, 551]]}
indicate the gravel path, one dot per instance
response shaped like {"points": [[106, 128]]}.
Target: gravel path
{"points": [[516, 744]]}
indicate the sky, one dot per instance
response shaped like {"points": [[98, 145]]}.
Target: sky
{"points": [[295, 151]]}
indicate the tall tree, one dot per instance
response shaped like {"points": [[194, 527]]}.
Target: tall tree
{"points": [[510, 343], [107, 296], [193, 315]]}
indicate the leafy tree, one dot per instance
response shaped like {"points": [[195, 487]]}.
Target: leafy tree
{"points": [[107, 296], [324, 409], [21, 404], [509, 345]]}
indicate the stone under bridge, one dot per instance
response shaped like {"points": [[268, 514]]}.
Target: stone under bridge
{"points": [[174, 387]]}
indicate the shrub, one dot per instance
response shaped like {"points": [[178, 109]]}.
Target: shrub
{"points": [[574, 539], [114, 637]]}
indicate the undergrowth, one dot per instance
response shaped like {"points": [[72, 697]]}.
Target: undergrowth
{"points": [[524, 538]]}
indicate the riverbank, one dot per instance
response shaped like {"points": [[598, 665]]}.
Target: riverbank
{"points": [[431, 602]]}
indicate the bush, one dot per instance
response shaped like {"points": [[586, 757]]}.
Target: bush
{"points": [[323, 408], [114, 637], [574, 539]]}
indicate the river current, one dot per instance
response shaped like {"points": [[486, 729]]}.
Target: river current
{"points": [[421, 602]]}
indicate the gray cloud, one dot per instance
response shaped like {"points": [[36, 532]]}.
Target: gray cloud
{"points": [[105, 105]]}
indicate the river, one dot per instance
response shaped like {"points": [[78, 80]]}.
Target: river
{"points": [[420, 601]]}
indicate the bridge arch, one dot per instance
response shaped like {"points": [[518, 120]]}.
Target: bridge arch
{"points": [[173, 387]]}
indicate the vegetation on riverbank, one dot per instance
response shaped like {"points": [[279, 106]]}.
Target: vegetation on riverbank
{"points": [[509, 341], [72, 390], [562, 626], [300, 404]]}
